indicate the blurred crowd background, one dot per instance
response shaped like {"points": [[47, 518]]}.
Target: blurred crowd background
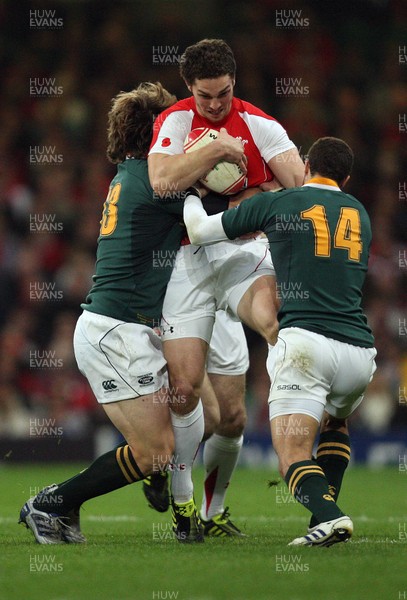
{"points": [[57, 84]]}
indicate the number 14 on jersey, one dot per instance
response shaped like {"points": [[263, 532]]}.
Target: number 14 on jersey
{"points": [[347, 232]]}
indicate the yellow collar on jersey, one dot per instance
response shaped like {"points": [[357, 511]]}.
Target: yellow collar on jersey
{"points": [[323, 181]]}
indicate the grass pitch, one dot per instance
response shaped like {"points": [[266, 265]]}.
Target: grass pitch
{"points": [[130, 554]]}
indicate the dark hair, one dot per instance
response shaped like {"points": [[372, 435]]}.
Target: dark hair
{"points": [[131, 120], [208, 59], [331, 157]]}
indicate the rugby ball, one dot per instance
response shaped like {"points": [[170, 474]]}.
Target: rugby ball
{"points": [[224, 177]]}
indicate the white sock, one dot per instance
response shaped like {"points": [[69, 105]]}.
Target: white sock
{"points": [[220, 458], [188, 433]]}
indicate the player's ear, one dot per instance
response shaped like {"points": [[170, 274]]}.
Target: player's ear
{"points": [[306, 171]]}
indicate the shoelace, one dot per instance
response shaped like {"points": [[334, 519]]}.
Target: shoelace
{"points": [[47, 525], [225, 515], [71, 532]]}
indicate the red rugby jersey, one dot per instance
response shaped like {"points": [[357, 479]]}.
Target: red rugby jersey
{"points": [[263, 137]]}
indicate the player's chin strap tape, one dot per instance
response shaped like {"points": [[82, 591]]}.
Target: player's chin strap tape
{"points": [[192, 190], [128, 465]]}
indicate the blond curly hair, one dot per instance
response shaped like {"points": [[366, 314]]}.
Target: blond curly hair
{"points": [[131, 120]]}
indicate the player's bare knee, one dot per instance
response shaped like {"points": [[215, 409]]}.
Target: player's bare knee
{"points": [[233, 423], [184, 394]]}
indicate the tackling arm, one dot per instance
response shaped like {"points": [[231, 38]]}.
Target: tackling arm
{"points": [[202, 229]]}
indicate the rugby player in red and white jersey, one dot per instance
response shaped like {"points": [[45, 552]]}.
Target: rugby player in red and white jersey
{"points": [[235, 276]]}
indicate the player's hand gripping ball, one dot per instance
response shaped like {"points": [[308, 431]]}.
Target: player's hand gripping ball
{"points": [[224, 177]]}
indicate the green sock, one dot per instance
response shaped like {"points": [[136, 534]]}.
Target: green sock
{"points": [[333, 456], [308, 484], [109, 472]]}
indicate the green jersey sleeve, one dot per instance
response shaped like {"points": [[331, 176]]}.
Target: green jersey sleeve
{"points": [[253, 214]]}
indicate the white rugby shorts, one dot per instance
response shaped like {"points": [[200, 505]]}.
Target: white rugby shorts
{"points": [[203, 282], [189, 305], [228, 353], [311, 373], [120, 360]]}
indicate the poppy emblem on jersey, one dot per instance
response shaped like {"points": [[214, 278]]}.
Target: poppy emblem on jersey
{"points": [[166, 142]]}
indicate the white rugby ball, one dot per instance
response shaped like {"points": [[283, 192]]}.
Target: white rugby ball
{"points": [[224, 177]]}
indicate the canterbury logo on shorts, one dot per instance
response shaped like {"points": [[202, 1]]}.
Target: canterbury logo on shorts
{"points": [[109, 385]]}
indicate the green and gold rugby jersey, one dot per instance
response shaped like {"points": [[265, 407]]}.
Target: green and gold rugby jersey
{"points": [[140, 235], [319, 241]]}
